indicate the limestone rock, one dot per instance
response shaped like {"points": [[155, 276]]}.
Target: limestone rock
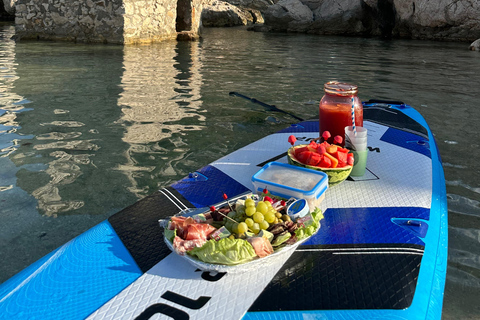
{"points": [[419, 19], [441, 19], [9, 6], [260, 5], [288, 15], [187, 36], [342, 17], [475, 46], [224, 14]]}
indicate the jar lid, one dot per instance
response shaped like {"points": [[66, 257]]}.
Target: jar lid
{"points": [[340, 88], [298, 209]]}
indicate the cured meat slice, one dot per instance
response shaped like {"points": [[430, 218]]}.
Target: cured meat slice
{"points": [[181, 246], [198, 231], [181, 224], [262, 246]]}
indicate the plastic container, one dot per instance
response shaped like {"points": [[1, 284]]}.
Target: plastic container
{"points": [[298, 209], [335, 109], [286, 181]]}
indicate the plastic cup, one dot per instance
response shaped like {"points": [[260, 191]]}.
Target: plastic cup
{"points": [[360, 163], [356, 141], [356, 144], [361, 132], [359, 147]]}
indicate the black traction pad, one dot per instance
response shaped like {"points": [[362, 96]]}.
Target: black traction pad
{"points": [[383, 114], [138, 227], [338, 278]]}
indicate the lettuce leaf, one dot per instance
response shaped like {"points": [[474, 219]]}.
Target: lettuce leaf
{"points": [[225, 251], [317, 214], [302, 233], [170, 234], [281, 239]]}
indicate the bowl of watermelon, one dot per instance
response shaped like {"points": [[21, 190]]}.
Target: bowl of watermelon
{"points": [[335, 161]]}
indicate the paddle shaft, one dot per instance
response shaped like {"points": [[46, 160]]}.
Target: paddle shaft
{"points": [[263, 104]]}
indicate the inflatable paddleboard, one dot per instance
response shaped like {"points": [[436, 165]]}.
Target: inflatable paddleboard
{"points": [[381, 251]]}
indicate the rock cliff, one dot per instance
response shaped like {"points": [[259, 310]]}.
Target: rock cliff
{"points": [[457, 20], [224, 14], [453, 20]]}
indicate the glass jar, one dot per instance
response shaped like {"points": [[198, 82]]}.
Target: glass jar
{"points": [[335, 110]]}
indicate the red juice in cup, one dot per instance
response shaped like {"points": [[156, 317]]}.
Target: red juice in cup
{"points": [[335, 110]]}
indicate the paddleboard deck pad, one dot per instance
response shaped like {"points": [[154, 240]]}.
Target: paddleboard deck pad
{"points": [[381, 251]]}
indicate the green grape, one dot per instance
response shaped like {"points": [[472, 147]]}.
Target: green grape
{"points": [[235, 228], [229, 224], [242, 228], [249, 211], [249, 222], [231, 214], [258, 217], [240, 217], [249, 202], [240, 209], [256, 228], [268, 203], [262, 207], [264, 225], [270, 217], [278, 215]]}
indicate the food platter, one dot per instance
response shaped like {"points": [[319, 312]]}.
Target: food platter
{"points": [[277, 255]]}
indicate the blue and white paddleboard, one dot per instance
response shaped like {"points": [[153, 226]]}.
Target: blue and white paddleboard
{"points": [[381, 252]]}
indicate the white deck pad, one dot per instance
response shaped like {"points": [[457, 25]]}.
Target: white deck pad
{"points": [[383, 180], [175, 275]]}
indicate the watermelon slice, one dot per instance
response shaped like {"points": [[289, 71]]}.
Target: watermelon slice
{"points": [[309, 157], [312, 146], [300, 150], [314, 159], [325, 162], [342, 158], [321, 149], [303, 156]]}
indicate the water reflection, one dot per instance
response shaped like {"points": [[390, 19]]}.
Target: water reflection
{"points": [[10, 102], [90, 114], [73, 117], [156, 108]]}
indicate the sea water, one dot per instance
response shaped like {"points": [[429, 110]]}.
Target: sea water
{"points": [[86, 130]]}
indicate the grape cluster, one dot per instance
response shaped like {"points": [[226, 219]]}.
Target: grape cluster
{"points": [[253, 216]]}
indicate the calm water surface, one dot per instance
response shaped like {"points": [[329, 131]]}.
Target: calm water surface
{"points": [[86, 130]]}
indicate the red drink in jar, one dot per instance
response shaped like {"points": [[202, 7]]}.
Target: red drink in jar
{"points": [[335, 110]]}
